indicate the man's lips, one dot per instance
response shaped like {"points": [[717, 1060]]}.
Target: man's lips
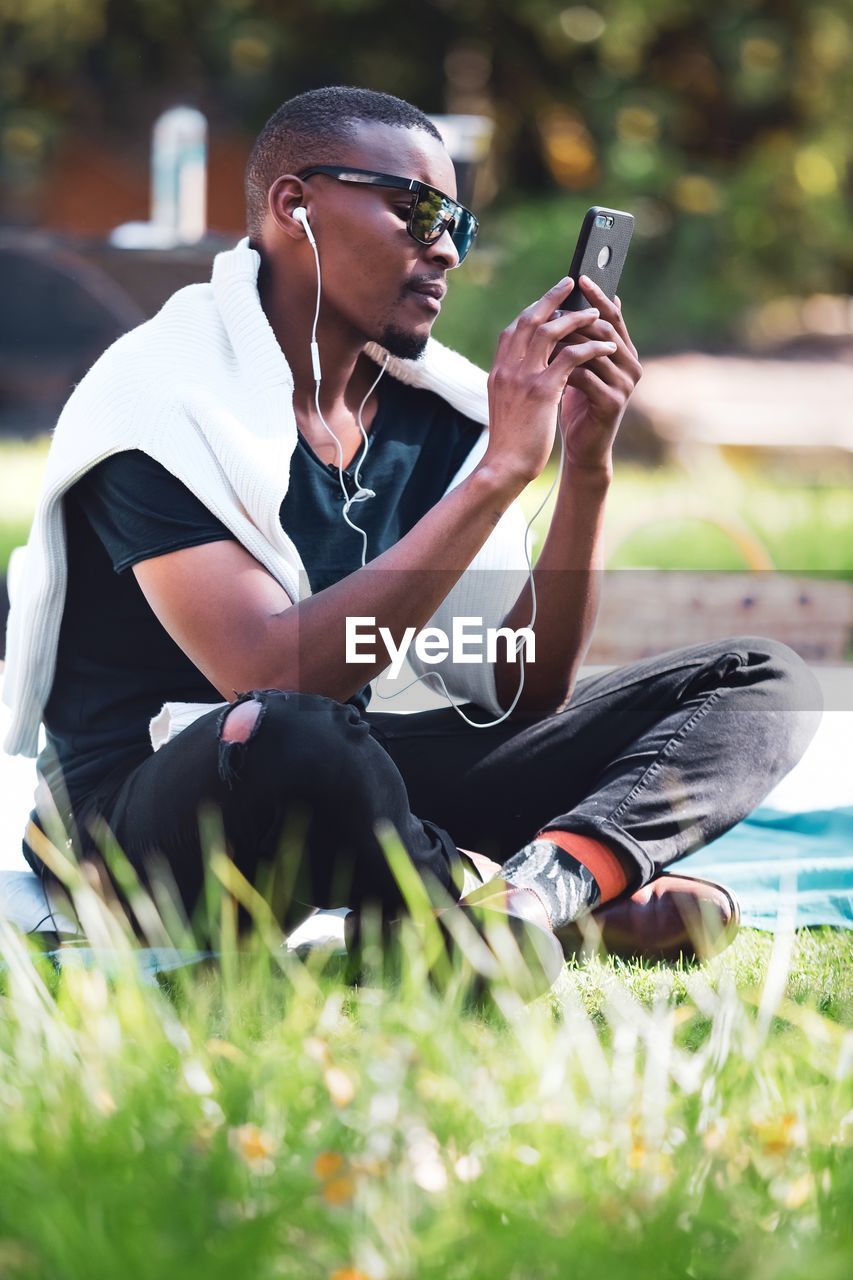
{"points": [[429, 289], [429, 294]]}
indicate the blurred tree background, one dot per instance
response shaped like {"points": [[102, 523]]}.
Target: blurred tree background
{"points": [[724, 128]]}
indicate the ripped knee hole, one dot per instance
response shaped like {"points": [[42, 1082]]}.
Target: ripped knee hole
{"points": [[241, 720]]}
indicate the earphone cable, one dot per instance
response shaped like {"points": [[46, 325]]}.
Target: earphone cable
{"points": [[318, 377]]}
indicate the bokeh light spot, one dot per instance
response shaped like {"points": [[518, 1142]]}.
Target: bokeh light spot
{"points": [[815, 172], [582, 24]]}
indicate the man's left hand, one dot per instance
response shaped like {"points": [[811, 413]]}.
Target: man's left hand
{"points": [[597, 392]]}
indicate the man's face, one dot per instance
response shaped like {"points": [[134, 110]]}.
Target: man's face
{"points": [[372, 268]]}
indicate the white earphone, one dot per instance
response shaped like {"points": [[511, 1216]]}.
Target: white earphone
{"points": [[300, 214]]}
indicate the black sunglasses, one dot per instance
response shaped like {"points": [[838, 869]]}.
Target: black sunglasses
{"points": [[432, 212]]}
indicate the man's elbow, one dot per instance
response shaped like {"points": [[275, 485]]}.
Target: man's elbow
{"points": [[533, 703]]}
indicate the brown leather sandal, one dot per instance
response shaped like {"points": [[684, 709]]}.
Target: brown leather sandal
{"points": [[672, 917]]}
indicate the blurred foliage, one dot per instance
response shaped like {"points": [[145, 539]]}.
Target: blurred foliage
{"points": [[725, 129], [677, 290]]}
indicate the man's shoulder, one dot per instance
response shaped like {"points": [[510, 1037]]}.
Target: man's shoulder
{"points": [[181, 330], [184, 344]]}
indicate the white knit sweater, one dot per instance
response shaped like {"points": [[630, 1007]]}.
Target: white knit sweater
{"points": [[205, 390]]}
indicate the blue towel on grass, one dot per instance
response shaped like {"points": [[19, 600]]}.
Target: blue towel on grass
{"points": [[784, 865]]}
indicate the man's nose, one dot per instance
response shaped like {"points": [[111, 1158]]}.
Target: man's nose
{"points": [[443, 250]]}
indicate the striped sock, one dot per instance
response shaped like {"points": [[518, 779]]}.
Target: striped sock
{"points": [[600, 860], [570, 873]]}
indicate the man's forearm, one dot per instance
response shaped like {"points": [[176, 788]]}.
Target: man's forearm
{"points": [[568, 589]]}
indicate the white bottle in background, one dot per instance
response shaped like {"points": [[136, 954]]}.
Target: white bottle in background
{"points": [[179, 174]]}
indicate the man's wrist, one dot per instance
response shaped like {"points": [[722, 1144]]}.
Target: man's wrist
{"points": [[590, 475], [499, 482]]}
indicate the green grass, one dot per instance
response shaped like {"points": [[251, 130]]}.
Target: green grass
{"points": [[21, 466], [261, 1117], [661, 517]]}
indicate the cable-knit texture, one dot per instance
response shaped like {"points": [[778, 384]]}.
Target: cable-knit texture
{"points": [[204, 389]]}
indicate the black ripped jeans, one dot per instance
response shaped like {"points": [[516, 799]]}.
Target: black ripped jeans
{"points": [[655, 759]]}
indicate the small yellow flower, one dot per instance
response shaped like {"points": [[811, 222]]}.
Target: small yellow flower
{"points": [[340, 1086], [780, 1133], [254, 1146], [327, 1164], [637, 1155], [348, 1273], [340, 1189]]}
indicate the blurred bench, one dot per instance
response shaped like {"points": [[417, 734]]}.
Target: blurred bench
{"points": [[695, 401]]}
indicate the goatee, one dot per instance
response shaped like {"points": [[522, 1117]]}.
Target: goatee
{"points": [[399, 343]]}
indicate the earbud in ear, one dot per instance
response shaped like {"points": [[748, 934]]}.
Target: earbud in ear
{"points": [[300, 214]]}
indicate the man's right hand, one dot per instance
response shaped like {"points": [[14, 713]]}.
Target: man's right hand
{"points": [[528, 379]]}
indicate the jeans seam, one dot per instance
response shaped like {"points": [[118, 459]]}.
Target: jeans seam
{"points": [[655, 766]]}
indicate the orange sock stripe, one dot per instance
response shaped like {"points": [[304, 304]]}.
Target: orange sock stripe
{"points": [[599, 860]]}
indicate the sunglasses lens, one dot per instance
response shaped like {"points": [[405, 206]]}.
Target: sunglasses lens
{"points": [[434, 213], [430, 216], [464, 234]]}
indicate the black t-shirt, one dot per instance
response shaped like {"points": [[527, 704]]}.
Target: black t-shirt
{"points": [[116, 664]]}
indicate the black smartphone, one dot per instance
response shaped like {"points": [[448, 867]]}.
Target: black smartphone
{"points": [[600, 253]]}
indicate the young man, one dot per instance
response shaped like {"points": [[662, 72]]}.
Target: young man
{"points": [[208, 471]]}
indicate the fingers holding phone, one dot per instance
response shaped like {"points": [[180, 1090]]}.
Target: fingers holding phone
{"points": [[570, 341], [525, 386], [606, 367], [597, 392], [609, 309]]}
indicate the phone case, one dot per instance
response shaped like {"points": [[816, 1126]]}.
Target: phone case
{"points": [[592, 242]]}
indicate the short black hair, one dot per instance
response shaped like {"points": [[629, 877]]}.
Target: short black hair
{"points": [[307, 130]]}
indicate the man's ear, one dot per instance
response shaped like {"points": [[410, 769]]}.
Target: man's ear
{"points": [[286, 194]]}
